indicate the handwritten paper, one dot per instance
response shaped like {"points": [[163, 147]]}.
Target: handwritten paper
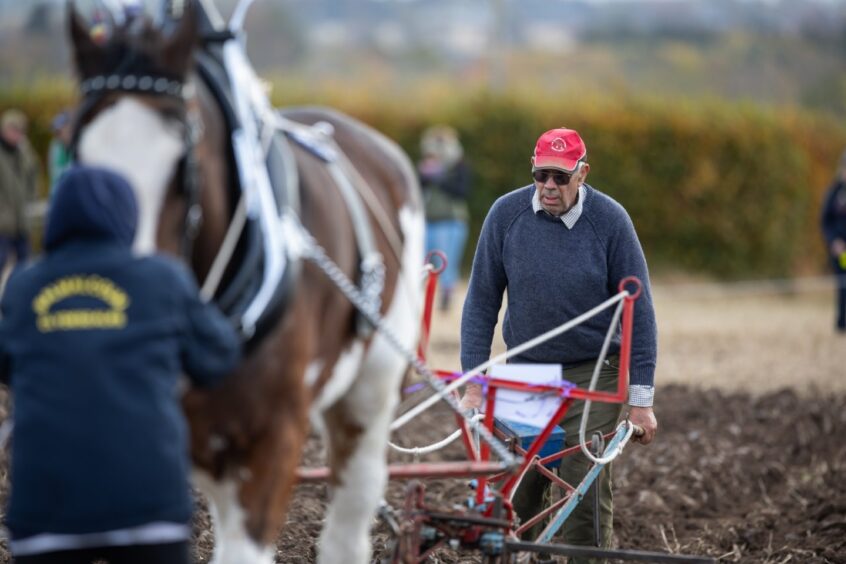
{"points": [[529, 408]]}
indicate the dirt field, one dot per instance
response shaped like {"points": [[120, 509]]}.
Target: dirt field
{"points": [[750, 461]]}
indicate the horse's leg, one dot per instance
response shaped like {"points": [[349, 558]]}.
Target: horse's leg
{"points": [[231, 541], [248, 503], [357, 431], [248, 511], [357, 427]]}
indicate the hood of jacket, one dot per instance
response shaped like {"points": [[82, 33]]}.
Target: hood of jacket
{"points": [[91, 203]]}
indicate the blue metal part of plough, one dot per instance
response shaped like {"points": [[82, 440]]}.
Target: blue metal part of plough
{"points": [[581, 491]]}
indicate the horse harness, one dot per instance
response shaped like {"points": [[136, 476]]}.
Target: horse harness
{"points": [[260, 134], [252, 299], [94, 92], [256, 116]]}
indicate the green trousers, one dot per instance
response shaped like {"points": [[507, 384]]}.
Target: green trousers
{"points": [[532, 494]]}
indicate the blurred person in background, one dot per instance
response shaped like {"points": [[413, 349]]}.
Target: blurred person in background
{"points": [[445, 179], [833, 222], [19, 169], [58, 154], [560, 247], [93, 344]]}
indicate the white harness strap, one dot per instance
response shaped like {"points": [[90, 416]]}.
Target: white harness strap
{"points": [[372, 265], [253, 109], [258, 123], [318, 140]]}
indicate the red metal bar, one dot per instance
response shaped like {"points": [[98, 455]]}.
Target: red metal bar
{"points": [[426, 326], [539, 467], [539, 441], [449, 376], [626, 344], [469, 445], [571, 392], [460, 469], [626, 336], [485, 447], [540, 516], [543, 470], [605, 397], [425, 556], [516, 474], [568, 451]]}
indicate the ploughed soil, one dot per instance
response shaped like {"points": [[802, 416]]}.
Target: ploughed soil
{"points": [[750, 461], [742, 478], [749, 464]]}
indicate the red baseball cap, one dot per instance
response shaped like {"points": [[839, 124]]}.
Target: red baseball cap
{"points": [[562, 149]]}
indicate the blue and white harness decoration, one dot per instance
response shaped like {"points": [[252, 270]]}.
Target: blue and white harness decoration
{"points": [[258, 123]]}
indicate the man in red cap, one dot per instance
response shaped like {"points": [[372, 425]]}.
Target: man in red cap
{"points": [[560, 247]]}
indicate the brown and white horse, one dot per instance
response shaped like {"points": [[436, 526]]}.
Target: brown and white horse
{"points": [[247, 434]]}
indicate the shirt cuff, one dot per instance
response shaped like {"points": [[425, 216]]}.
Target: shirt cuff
{"points": [[641, 396]]}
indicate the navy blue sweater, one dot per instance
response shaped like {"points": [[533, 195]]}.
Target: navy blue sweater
{"points": [[94, 341], [554, 274]]}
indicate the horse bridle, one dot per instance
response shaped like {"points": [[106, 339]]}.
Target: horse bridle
{"points": [[94, 91]]}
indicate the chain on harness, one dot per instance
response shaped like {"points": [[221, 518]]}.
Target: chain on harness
{"points": [[315, 253]]}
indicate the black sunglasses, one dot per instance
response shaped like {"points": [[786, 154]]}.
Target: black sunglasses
{"points": [[560, 178]]}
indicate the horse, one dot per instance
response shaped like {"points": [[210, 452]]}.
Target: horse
{"points": [[312, 366]]}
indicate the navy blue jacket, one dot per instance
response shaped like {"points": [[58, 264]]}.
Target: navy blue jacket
{"points": [[833, 216], [94, 341]]}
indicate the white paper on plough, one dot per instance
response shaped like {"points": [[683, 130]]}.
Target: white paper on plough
{"points": [[530, 408]]}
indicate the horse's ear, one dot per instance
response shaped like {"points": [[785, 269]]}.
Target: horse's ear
{"points": [[86, 53], [179, 45]]}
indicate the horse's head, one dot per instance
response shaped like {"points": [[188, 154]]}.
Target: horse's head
{"points": [[132, 69]]}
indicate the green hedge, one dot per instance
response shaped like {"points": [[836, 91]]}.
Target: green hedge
{"points": [[728, 190]]}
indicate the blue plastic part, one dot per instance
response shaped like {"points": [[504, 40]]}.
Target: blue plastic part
{"points": [[488, 498], [492, 543], [527, 434]]}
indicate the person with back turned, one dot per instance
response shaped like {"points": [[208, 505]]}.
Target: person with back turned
{"points": [[93, 344]]}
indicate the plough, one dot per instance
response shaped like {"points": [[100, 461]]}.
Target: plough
{"points": [[487, 525]]}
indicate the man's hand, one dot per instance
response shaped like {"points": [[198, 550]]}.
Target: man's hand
{"points": [[644, 418], [838, 247], [472, 398]]}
